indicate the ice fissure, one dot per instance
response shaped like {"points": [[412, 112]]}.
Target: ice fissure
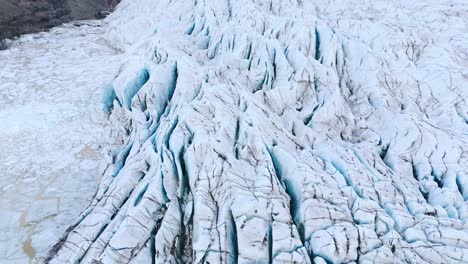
{"points": [[281, 132]]}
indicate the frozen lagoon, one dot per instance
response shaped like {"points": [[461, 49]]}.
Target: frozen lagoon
{"points": [[53, 134]]}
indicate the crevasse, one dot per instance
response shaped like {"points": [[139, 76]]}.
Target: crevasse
{"points": [[256, 133]]}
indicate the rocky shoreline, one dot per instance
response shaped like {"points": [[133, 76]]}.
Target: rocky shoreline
{"points": [[28, 16]]}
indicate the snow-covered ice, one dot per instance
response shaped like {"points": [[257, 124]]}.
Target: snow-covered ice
{"points": [[53, 134], [278, 132]]}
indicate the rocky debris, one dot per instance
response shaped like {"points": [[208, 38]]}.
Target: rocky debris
{"points": [[283, 132], [30, 16]]}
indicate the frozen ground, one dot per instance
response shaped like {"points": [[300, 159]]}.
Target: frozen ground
{"points": [[53, 134]]}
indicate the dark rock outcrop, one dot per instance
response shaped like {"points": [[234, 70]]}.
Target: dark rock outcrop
{"points": [[29, 16]]}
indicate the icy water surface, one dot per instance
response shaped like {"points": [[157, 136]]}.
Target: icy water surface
{"points": [[53, 134]]}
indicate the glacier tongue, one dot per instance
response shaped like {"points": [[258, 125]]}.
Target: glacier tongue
{"points": [[284, 131]]}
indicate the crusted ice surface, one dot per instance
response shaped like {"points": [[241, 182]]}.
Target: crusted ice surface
{"points": [[53, 134], [283, 132]]}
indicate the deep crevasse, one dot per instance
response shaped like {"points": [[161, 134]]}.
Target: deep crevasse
{"points": [[284, 131]]}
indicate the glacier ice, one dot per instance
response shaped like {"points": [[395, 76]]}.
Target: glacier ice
{"points": [[283, 131]]}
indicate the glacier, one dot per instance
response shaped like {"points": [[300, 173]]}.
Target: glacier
{"points": [[282, 131]]}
